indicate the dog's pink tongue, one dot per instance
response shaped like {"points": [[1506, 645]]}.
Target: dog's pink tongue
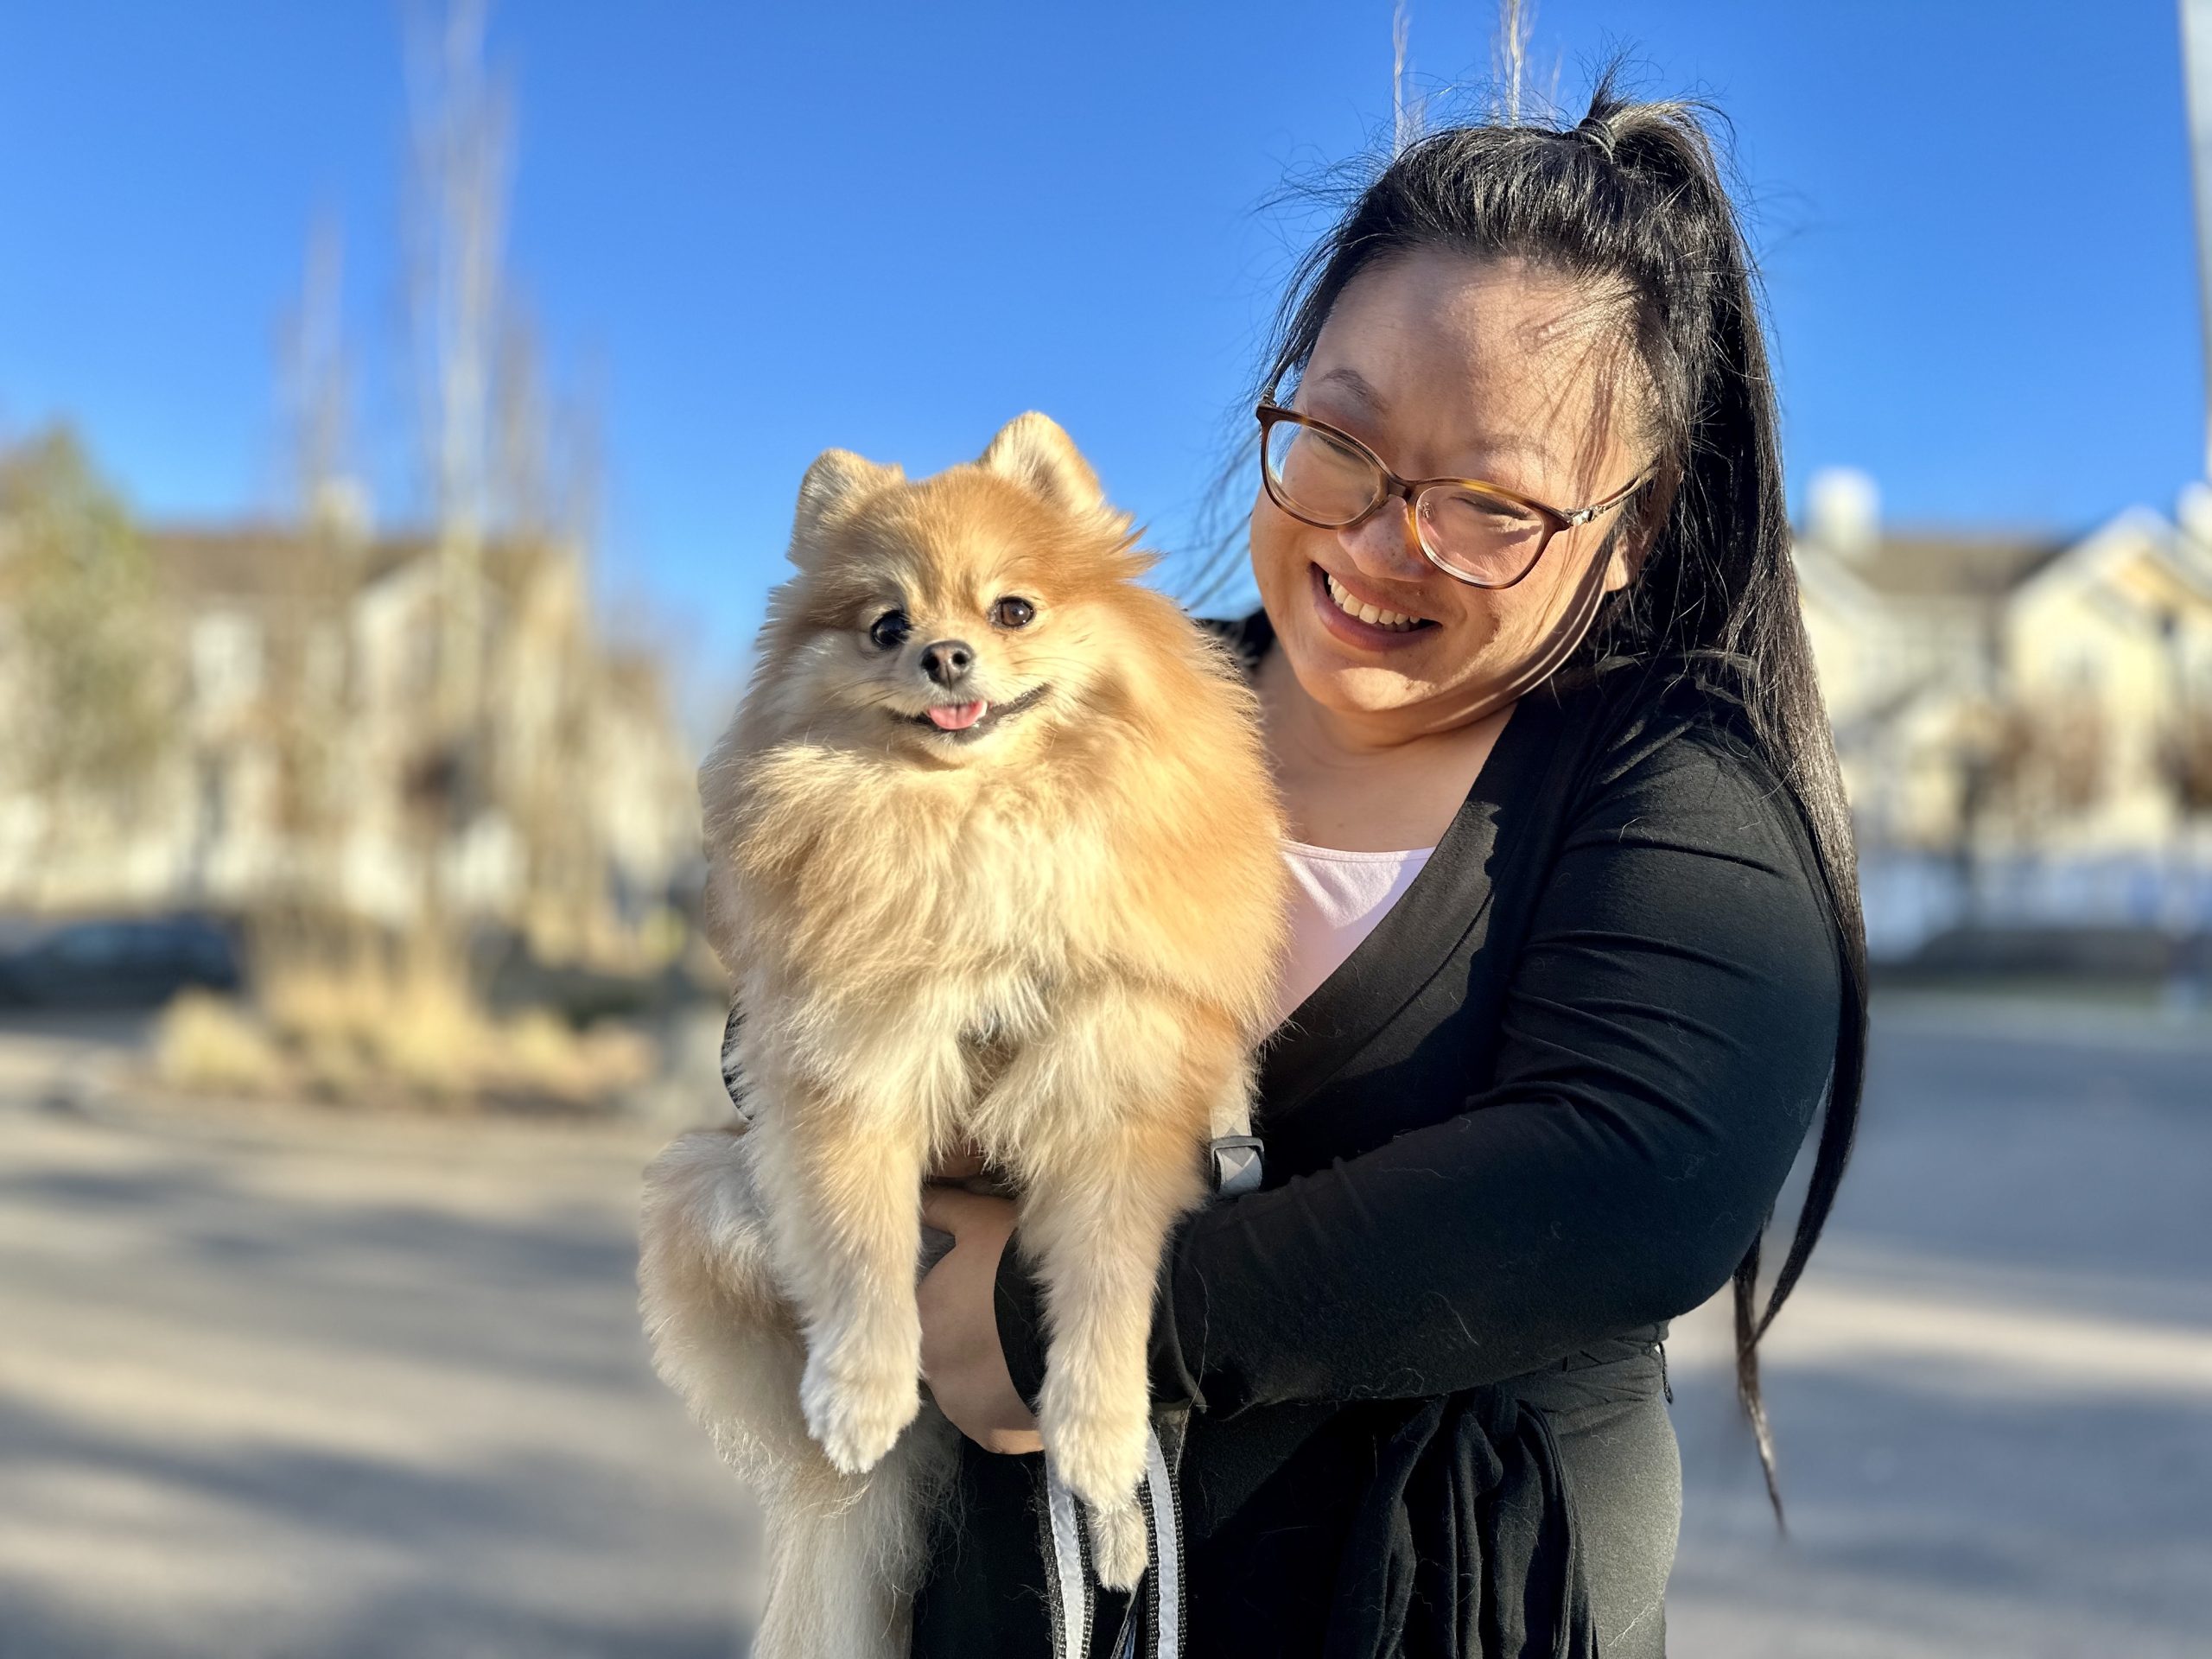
{"points": [[959, 717]]}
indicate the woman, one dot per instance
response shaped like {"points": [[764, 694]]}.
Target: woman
{"points": [[1579, 956]]}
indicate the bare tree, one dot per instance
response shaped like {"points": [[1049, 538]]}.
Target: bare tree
{"points": [[1405, 115], [461, 132], [2185, 757], [301, 718], [315, 385], [454, 233], [514, 466], [2050, 759], [1510, 56], [2020, 763]]}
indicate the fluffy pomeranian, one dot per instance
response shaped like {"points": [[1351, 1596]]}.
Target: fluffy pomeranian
{"points": [[996, 861]]}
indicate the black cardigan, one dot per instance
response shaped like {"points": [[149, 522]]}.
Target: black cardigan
{"points": [[1543, 1108]]}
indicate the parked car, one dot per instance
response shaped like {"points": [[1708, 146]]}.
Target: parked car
{"points": [[119, 962]]}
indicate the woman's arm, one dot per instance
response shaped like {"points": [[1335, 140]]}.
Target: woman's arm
{"points": [[1666, 1035]]}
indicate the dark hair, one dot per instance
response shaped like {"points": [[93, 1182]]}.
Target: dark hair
{"points": [[1631, 203]]}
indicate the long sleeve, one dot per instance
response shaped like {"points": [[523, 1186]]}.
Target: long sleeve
{"points": [[1666, 1035]]}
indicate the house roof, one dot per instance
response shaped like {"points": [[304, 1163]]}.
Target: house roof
{"points": [[247, 561], [253, 560], [1948, 565]]}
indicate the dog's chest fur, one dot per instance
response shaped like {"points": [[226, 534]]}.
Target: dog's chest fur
{"points": [[898, 911]]}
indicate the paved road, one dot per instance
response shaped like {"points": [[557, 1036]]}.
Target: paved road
{"points": [[304, 1383], [1995, 1400]]}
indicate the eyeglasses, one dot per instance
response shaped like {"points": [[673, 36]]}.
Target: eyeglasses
{"points": [[1475, 531]]}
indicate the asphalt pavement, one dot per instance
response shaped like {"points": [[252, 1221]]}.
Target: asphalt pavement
{"points": [[1993, 1394], [295, 1381]]}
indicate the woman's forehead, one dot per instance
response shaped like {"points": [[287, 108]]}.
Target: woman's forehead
{"points": [[1456, 359], [1342, 383]]}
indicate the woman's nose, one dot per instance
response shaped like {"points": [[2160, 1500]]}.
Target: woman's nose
{"points": [[1384, 546]]}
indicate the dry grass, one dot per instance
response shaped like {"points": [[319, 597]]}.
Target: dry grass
{"points": [[210, 1043], [418, 1035]]}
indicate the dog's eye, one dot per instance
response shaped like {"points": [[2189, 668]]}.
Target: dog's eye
{"points": [[1012, 613], [889, 630]]}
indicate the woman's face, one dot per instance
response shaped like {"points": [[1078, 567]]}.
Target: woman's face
{"points": [[1447, 366]]}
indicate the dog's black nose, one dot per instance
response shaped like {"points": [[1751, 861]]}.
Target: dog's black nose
{"points": [[946, 660]]}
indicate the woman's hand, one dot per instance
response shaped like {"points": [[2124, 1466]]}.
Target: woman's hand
{"points": [[962, 1361]]}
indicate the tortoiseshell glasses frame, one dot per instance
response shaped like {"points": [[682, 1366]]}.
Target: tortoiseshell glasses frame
{"points": [[1492, 548]]}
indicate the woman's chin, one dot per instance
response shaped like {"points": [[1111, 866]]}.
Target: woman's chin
{"points": [[1352, 683], [1432, 680]]}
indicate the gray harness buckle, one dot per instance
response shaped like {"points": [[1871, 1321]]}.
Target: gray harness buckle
{"points": [[1234, 1165]]}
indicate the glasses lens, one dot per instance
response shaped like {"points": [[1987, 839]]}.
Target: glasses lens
{"points": [[1317, 478], [1488, 537]]}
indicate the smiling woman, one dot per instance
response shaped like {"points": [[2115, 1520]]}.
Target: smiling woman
{"points": [[1582, 961]]}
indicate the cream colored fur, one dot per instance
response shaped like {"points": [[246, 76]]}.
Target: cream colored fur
{"points": [[1056, 940]]}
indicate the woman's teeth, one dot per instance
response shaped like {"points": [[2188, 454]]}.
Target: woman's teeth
{"points": [[1392, 621]]}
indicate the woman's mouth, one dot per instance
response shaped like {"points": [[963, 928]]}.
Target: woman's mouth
{"points": [[1355, 619]]}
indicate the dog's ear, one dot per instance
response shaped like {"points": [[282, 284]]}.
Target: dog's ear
{"points": [[1032, 451], [838, 482]]}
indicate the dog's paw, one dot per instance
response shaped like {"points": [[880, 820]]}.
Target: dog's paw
{"points": [[1099, 1454], [1119, 1552], [856, 1419]]}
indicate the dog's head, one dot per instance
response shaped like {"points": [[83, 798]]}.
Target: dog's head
{"points": [[955, 619]]}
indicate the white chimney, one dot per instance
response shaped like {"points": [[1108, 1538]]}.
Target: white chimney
{"points": [[341, 507], [1843, 511]]}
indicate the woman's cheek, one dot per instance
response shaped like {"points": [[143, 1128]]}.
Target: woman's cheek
{"points": [[1275, 547], [1522, 616]]}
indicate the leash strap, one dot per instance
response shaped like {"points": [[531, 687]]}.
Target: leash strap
{"points": [[1163, 1510], [1156, 1611], [1068, 1582]]}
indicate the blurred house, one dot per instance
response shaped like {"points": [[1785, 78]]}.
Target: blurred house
{"points": [[2022, 721], [313, 763]]}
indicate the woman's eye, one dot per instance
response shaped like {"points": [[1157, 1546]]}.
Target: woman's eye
{"points": [[1011, 613], [889, 630]]}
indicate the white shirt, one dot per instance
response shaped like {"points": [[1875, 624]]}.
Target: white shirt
{"points": [[1336, 899]]}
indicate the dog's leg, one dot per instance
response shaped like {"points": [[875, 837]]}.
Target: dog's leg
{"points": [[1102, 1188], [845, 1180], [1096, 1231]]}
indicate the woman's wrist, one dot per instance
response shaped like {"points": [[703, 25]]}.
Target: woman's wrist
{"points": [[962, 1359]]}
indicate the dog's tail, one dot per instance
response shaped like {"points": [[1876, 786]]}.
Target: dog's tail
{"points": [[844, 1553]]}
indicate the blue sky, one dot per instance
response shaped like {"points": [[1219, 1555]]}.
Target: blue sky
{"points": [[764, 230]]}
